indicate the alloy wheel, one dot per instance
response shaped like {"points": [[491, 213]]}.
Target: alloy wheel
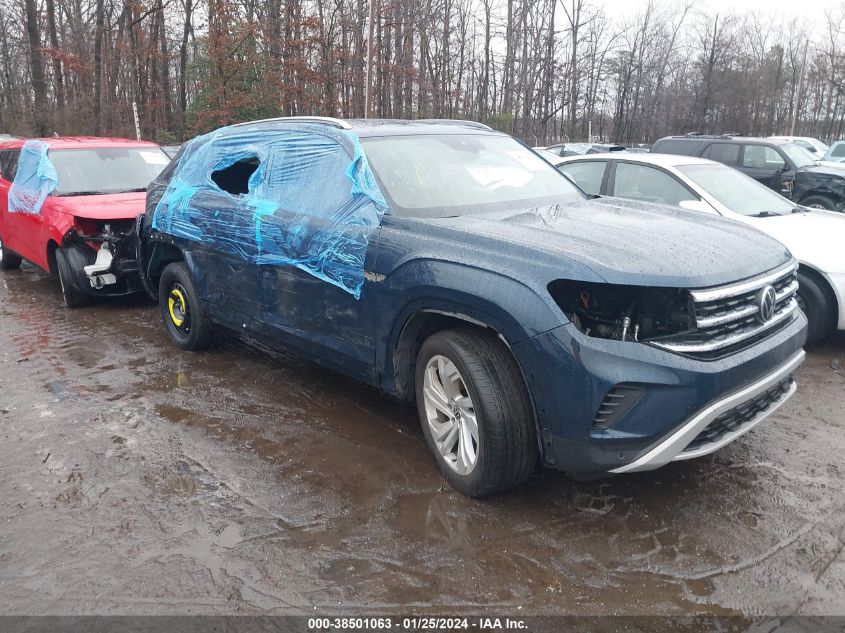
{"points": [[450, 414]]}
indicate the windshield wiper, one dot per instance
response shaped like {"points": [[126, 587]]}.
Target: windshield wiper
{"points": [[800, 210], [136, 190], [81, 193], [766, 214]]}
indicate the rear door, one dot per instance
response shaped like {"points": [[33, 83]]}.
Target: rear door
{"points": [[589, 175], [20, 231], [8, 166], [726, 153]]}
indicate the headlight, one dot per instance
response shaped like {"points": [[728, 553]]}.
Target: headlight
{"points": [[624, 313]]}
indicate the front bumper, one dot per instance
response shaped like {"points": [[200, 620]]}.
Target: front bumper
{"points": [[673, 447], [570, 376]]}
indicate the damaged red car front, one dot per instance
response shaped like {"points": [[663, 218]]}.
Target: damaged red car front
{"points": [[68, 205]]}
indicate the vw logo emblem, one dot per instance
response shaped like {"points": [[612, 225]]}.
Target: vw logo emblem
{"points": [[766, 302]]}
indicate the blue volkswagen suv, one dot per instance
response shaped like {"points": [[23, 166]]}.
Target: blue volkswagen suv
{"points": [[446, 264]]}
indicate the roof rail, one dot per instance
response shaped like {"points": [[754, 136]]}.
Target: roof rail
{"points": [[324, 120], [707, 136], [472, 124]]}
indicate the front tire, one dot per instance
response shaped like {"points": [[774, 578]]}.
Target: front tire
{"points": [[72, 295], [8, 259], [817, 307], [475, 411], [819, 202], [182, 310]]}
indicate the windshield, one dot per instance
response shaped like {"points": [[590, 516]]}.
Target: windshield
{"points": [[106, 169], [452, 175], [798, 155], [736, 191]]}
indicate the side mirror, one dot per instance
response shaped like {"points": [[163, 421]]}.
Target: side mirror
{"points": [[696, 205]]}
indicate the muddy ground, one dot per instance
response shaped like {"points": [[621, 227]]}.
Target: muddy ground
{"points": [[138, 479]]}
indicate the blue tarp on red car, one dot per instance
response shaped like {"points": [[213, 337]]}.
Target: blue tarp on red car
{"points": [[35, 179]]}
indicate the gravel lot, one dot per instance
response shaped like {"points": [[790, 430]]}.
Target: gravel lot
{"points": [[139, 479]]}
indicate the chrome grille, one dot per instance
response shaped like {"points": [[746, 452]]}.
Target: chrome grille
{"points": [[728, 317]]}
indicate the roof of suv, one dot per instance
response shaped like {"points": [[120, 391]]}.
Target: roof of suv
{"points": [[383, 127], [663, 160], [753, 140]]}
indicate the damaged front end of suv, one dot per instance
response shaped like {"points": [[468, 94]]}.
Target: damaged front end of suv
{"points": [[625, 313], [98, 257]]}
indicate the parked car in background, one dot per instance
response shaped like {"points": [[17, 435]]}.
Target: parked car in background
{"points": [[809, 143], [172, 150], [548, 156], [577, 149], [819, 161], [779, 165], [814, 237], [836, 152], [68, 205], [446, 263]]}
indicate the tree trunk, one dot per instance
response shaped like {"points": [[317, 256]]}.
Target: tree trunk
{"points": [[98, 67], [39, 87]]}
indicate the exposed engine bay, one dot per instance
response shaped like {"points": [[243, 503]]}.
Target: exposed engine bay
{"points": [[624, 313], [105, 252]]}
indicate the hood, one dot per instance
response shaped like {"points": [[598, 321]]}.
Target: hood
{"points": [[106, 206], [628, 242], [816, 237], [832, 164], [825, 170]]}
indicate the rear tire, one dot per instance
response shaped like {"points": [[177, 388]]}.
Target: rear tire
{"points": [[8, 259], [817, 307], [819, 202], [480, 381], [72, 295], [182, 310]]}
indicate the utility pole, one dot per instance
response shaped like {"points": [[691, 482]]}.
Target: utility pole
{"points": [[798, 92], [137, 124], [368, 92]]}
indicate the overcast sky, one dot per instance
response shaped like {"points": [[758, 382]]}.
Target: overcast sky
{"points": [[787, 8], [811, 11]]}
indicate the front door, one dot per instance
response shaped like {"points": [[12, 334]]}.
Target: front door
{"points": [[317, 239], [766, 165]]}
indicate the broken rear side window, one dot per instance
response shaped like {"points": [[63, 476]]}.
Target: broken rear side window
{"points": [[234, 179]]}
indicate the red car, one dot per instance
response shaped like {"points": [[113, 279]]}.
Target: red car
{"points": [[69, 205]]}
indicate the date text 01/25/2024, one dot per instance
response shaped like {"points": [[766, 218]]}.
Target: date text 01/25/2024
{"points": [[415, 624]]}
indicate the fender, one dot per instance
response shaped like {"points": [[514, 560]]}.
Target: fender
{"points": [[398, 381], [517, 310]]}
